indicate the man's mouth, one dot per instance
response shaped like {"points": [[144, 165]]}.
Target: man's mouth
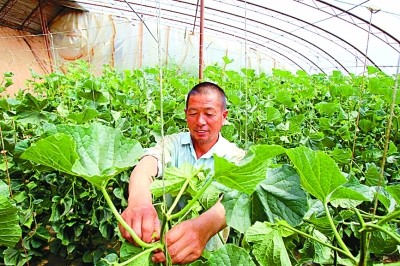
{"points": [[201, 131]]}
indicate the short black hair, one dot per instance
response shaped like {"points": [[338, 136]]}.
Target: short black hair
{"points": [[207, 88]]}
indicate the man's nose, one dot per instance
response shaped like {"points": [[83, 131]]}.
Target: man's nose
{"points": [[200, 119]]}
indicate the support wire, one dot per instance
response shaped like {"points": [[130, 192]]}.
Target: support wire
{"points": [[246, 76], [164, 206]]}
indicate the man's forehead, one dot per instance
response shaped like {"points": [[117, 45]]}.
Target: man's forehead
{"points": [[206, 108]]}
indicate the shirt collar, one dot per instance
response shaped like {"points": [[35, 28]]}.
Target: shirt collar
{"points": [[217, 148]]}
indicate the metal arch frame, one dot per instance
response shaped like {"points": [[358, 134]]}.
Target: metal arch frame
{"points": [[361, 19], [212, 29], [291, 34], [296, 37], [259, 22], [226, 33], [319, 28], [351, 49]]}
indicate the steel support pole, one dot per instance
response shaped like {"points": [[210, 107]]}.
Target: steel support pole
{"points": [[201, 44]]}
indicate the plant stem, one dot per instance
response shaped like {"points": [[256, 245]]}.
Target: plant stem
{"points": [[380, 228], [319, 241], [178, 197], [389, 217], [181, 191], [139, 255], [192, 201], [122, 221], [336, 233], [363, 241], [4, 153]]}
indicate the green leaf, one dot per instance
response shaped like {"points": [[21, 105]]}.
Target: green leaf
{"points": [[251, 170], [385, 198], [268, 248], [282, 197], [10, 231], [96, 153], [4, 190], [173, 180], [327, 108], [238, 210], [57, 151], [394, 191], [85, 116], [342, 155], [381, 243], [272, 114], [317, 251], [319, 173], [230, 255], [351, 194], [129, 250]]}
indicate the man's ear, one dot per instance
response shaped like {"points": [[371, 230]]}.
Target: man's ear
{"points": [[225, 114]]}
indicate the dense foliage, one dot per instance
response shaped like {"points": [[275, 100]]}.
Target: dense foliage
{"points": [[346, 117]]}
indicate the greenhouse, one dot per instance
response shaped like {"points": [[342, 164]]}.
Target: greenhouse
{"points": [[208, 132]]}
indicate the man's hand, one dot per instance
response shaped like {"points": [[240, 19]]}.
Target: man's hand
{"points": [[186, 241], [144, 221], [140, 213]]}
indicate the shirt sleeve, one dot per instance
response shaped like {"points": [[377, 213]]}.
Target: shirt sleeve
{"points": [[165, 144]]}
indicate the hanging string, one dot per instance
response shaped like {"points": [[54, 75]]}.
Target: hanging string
{"points": [[387, 134], [163, 165], [246, 79], [362, 85]]}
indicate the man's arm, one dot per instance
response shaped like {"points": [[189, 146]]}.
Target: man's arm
{"points": [[187, 240], [140, 213]]}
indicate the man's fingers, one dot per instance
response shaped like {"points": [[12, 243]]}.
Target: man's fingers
{"points": [[157, 229], [158, 257], [148, 227]]}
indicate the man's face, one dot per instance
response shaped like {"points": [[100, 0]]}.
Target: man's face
{"points": [[205, 116]]}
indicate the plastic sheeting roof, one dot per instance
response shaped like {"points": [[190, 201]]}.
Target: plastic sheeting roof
{"points": [[313, 35], [316, 36]]}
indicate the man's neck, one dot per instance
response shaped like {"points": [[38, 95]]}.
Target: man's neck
{"points": [[202, 148]]}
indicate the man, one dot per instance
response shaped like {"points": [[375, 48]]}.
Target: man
{"points": [[205, 114]]}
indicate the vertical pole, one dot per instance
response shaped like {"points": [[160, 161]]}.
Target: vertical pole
{"points": [[139, 61], [201, 45], [46, 33]]}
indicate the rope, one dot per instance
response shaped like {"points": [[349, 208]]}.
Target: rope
{"points": [[245, 80], [164, 206], [362, 85]]}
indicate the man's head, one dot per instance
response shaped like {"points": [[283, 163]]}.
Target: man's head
{"points": [[205, 113]]}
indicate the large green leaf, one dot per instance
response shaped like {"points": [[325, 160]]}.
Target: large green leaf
{"points": [[230, 255], [10, 231], [4, 189], [173, 180], [129, 250], [319, 174], [251, 170], [268, 248], [282, 197], [351, 194], [57, 151], [238, 210], [95, 153], [394, 191]]}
